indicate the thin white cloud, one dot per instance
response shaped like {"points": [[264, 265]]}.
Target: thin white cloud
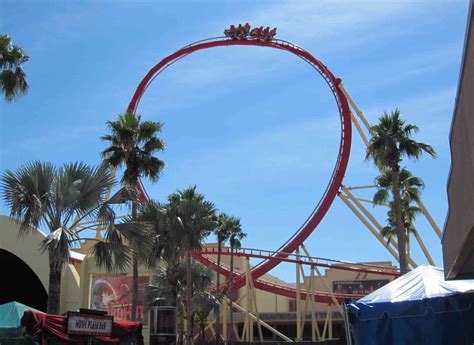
{"points": [[316, 20], [319, 26]]}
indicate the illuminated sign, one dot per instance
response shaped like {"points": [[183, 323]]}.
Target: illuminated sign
{"points": [[85, 324]]}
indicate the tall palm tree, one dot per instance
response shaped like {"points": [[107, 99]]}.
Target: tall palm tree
{"points": [[236, 235], [410, 186], [40, 194], [390, 142], [409, 213], [223, 225], [180, 225], [164, 222], [133, 144], [12, 77], [197, 218], [410, 191], [203, 302]]}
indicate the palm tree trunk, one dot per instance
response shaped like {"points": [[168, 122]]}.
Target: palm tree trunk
{"points": [[401, 232], [218, 283], [171, 275], [408, 245], [54, 290], [230, 287], [134, 270], [189, 287]]}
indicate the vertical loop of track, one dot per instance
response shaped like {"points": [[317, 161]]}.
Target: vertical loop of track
{"points": [[344, 148]]}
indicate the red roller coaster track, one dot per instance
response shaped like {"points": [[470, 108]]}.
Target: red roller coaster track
{"points": [[305, 260], [279, 289], [343, 155]]}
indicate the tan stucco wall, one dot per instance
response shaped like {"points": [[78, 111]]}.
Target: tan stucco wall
{"points": [[75, 285], [70, 292], [27, 249]]}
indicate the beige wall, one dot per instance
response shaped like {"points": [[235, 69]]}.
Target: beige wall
{"points": [[27, 249], [75, 285]]}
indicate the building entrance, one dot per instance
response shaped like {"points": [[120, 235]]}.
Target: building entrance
{"points": [[20, 283]]}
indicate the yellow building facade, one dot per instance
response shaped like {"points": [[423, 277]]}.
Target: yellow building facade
{"points": [[85, 285]]}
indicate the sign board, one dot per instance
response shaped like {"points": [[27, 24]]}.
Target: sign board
{"points": [[89, 325], [358, 287], [113, 294]]}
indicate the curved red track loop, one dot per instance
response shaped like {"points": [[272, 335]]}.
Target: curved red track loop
{"points": [[344, 149]]}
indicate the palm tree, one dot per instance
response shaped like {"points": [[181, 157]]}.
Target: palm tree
{"points": [[180, 225], [410, 186], [390, 143], [223, 225], [60, 198], [409, 213], [203, 302], [164, 222], [235, 236], [410, 191], [133, 144], [197, 218], [12, 77]]}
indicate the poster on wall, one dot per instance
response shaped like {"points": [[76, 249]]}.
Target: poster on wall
{"points": [[113, 294], [358, 287]]}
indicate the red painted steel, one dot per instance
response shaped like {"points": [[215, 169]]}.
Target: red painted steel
{"points": [[306, 260], [319, 296], [345, 141]]}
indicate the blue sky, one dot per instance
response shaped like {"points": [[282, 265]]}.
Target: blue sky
{"points": [[255, 129]]}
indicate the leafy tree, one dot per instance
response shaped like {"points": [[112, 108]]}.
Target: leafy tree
{"points": [[236, 235], [40, 194], [133, 144], [12, 77], [390, 142]]}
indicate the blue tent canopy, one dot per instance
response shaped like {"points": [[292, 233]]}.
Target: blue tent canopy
{"points": [[10, 319], [417, 308]]}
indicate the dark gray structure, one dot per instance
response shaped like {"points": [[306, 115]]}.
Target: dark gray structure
{"points": [[458, 237]]}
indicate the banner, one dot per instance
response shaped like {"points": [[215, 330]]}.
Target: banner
{"points": [[357, 287], [113, 294]]}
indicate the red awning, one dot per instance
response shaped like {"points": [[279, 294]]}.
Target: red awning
{"points": [[47, 326]]}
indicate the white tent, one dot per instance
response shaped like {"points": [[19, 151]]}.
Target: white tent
{"points": [[419, 308], [423, 282]]}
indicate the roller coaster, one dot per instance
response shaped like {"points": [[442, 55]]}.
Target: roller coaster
{"points": [[349, 115]]}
